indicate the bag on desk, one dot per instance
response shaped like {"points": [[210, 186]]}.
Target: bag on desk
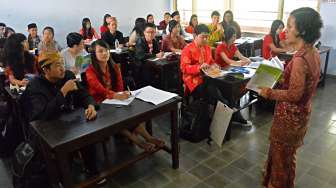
{"points": [[195, 122]]}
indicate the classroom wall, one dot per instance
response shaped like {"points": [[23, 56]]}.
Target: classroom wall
{"points": [[66, 15], [328, 13]]}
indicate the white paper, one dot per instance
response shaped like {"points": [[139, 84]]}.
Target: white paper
{"points": [[119, 50], [1, 69], [240, 41], [119, 102], [220, 122], [153, 95], [253, 65], [154, 59]]}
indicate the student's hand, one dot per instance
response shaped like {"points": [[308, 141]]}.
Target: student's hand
{"points": [[121, 96], [160, 55], [70, 85], [245, 62], [23, 82], [90, 112], [121, 45], [219, 28], [204, 66]]}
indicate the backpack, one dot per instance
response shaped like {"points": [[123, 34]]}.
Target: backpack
{"points": [[10, 128], [29, 167], [195, 121]]}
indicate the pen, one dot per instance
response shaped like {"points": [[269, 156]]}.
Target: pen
{"points": [[129, 91]]}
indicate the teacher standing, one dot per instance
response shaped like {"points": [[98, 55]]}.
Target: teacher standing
{"points": [[294, 98]]}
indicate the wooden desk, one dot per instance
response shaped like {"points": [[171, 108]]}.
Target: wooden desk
{"points": [[71, 132], [232, 89], [322, 50], [167, 73], [247, 45], [122, 58]]}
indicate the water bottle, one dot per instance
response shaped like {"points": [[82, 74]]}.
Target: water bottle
{"points": [[116, 44]]}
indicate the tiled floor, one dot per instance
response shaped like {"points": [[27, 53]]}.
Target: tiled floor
{"points": [[238, 163]]}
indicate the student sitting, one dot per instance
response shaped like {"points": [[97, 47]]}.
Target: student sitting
{"points": [[147, 47], [104, 27], [164, 23], [112, 35], [48, 44], [56, 92], [226, 51], [33, 38], [9, 31], [138, 31], [271, 44], [87, 31], [150, 18], [21, 64], [74, 51], [176, 16], [195, 57], [173, 42], [216, 29], [105, 82], [192, 24], [229, 22]]}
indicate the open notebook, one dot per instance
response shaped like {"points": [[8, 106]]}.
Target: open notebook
{"points": [[147, 94]]}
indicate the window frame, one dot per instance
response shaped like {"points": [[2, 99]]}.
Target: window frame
{"points": [[228, 5]]}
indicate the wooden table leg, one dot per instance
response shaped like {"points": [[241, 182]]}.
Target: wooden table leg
{"points": [[65, 171], [50, 164], [174, 139]]}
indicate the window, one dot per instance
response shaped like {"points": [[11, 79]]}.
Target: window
{"points": [[252, 16], [257, 13], [185, 9], [205, 8], [291, 5]]}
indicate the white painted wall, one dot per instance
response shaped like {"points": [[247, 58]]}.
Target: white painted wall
{"points": [[66, 15], [328, 13]]}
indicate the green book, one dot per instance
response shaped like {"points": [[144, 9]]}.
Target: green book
{"points": [[83, 62], [267, 75]]}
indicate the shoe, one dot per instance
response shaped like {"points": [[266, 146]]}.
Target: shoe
{"points": [[239, 119]]}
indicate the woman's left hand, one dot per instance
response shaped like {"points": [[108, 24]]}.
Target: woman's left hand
{"points": [[90, 112], [263, 92]]}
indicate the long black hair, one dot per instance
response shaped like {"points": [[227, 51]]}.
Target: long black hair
{"points": [[191, 18], [224, 22], [149, 15], [110, 63], [139, 26], [228, 33], [87, 32], [275, 26], [19, 60], [106, 16]]}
